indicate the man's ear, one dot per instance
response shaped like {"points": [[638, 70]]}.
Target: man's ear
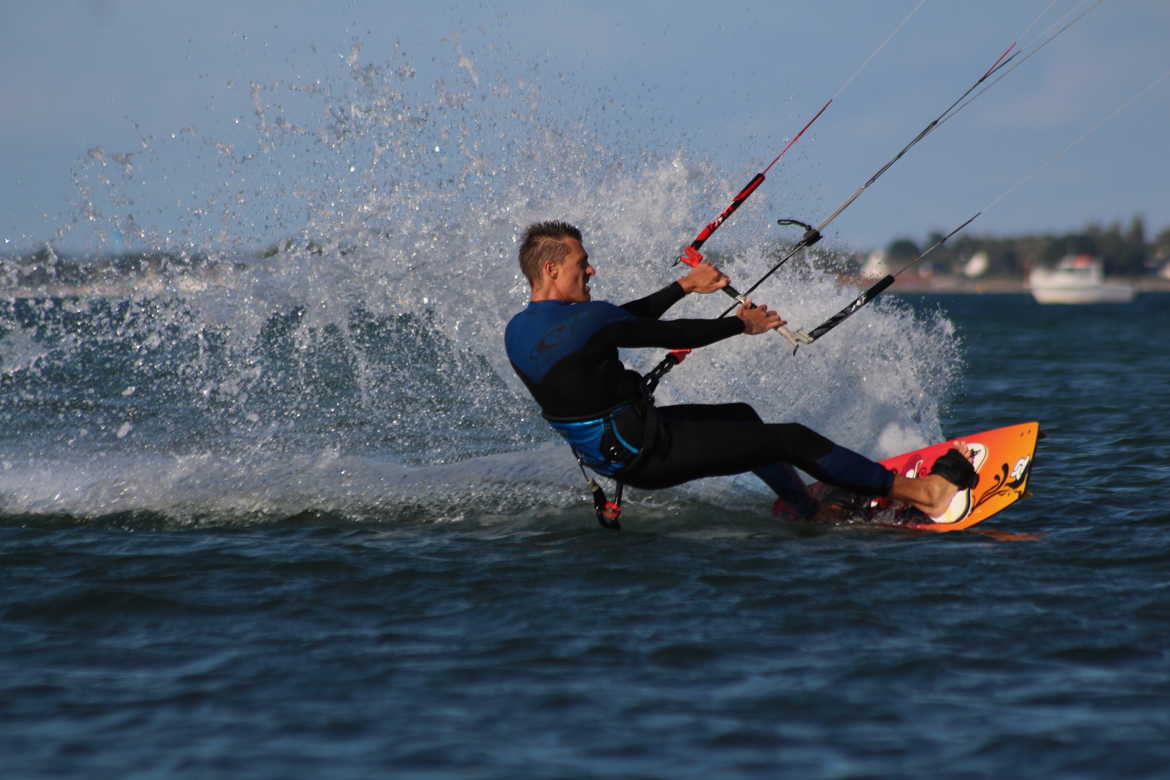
{"points": [[551, 268]]}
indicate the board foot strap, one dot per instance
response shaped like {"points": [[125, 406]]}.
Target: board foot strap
{"points": [[956, 469]]}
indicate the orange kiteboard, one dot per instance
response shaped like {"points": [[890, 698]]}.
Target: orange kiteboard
{"points": [[1002, 457]]}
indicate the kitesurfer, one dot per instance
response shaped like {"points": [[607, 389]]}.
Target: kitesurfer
{"points": [[564, 346]]}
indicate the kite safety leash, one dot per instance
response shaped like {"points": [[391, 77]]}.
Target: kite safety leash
{"points": [[813, 234], [798, 337], [691, 255]]}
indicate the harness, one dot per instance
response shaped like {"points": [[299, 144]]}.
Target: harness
{"points": [[599, 445]]}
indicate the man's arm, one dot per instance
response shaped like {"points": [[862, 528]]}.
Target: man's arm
{"points": [[655, 304], [703, 278], [691, 334], [671, 334]]}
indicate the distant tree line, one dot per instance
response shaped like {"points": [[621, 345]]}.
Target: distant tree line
{"points": [[1125, 251], [45, 267]]}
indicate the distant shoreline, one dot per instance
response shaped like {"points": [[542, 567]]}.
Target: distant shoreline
{"points": [[955, 284]]}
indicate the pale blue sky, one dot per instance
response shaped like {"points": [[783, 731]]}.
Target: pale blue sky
{"points": [[727, 82]]}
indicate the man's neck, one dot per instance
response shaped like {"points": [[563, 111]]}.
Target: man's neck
{"points": [[544, 294]]}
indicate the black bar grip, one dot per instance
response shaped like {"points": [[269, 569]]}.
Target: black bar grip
{"points": [[857, 303]]}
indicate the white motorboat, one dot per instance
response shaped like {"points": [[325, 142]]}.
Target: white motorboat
{"points": [[1077, 279]]}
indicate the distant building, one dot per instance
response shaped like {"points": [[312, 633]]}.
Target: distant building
{"points": [[977, 265], [875, 265]]}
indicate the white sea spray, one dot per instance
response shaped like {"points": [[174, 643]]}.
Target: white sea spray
{"points": [[211, 379]]}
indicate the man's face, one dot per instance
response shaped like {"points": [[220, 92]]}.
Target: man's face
{"points": [[572, 275]]}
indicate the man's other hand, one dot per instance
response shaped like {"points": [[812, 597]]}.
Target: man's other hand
{"points": [[758, 319], [704, 278]]}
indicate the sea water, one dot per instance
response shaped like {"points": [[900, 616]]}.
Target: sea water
{"points": [[296, 518]]}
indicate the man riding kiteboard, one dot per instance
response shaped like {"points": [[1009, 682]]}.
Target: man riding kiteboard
{"points": [[564, 346]]}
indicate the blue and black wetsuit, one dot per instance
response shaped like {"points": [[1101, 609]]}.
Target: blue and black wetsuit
{"points": [[567, 356]]}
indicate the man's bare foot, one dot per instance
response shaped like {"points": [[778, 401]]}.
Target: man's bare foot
{"points": [[932, 494]]}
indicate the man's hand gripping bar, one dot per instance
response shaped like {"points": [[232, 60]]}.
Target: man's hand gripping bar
{"points": [[691, 257]]}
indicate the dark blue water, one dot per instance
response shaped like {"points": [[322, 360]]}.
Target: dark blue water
{"points": [[492, 630]]}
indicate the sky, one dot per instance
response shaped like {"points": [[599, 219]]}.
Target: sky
{"points": [[729, 82]]}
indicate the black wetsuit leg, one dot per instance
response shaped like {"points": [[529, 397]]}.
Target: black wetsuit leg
{"points": [[700, 440]]}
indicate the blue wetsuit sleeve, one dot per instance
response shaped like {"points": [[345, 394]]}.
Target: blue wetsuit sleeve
{"points": [[655, 304]]}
